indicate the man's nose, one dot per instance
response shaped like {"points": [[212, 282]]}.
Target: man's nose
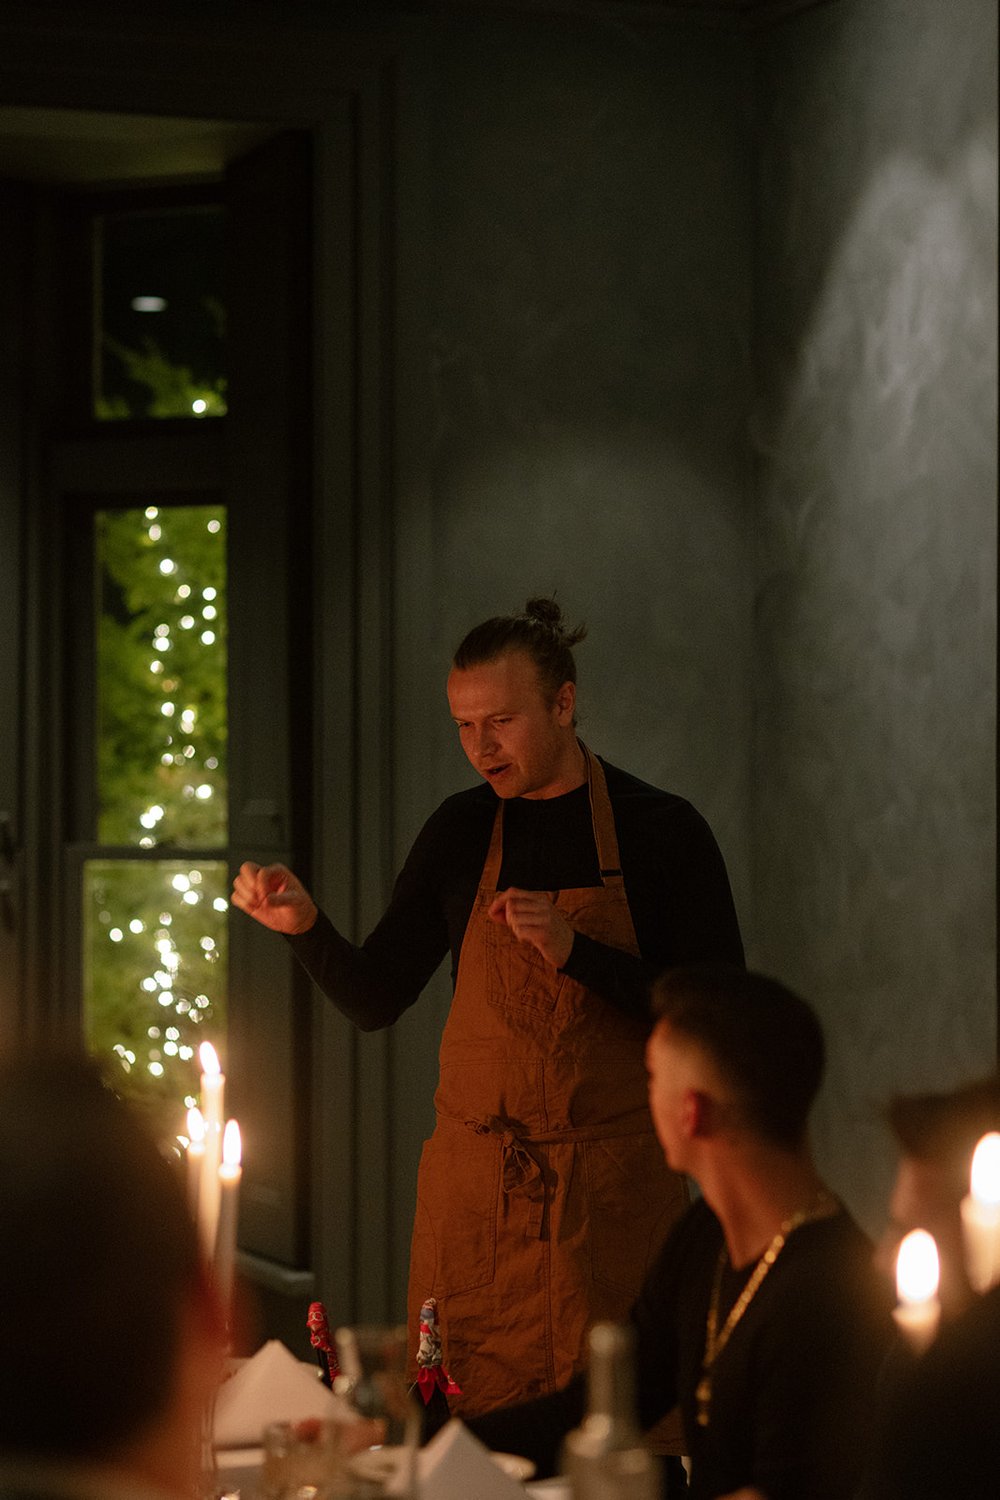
{"points": [[486, 741]]}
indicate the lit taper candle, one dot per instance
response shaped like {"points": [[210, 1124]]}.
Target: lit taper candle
{"points": [[918, 1272], [195, 1156], [230, 1173], [981, 1215], [213, 1085]]}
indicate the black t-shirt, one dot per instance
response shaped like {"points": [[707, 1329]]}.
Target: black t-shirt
{"points": [[675, 880], [792, 1392]]}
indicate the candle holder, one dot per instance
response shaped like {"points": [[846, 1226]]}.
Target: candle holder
{"points": [[918, 1323]]}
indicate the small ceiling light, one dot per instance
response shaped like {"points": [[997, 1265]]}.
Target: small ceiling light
{"points": [[149, 304]]}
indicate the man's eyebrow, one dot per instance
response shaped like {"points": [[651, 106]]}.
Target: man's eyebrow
{"points": [[494, 713]]}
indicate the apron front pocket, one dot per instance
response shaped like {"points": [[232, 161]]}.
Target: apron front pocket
{"points": [[633, 1199], [455, 1228]]}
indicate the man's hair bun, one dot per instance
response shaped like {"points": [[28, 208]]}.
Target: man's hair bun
{"points": [[547, 612], [539, 632]]}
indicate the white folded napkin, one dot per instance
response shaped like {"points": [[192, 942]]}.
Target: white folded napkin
{"points": [[273, 1386], [455, 1465]]}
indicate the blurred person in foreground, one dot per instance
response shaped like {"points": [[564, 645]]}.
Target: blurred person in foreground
{"points": [[936, 1135], [111, 1342], [940, 1411], [764, 1319]]}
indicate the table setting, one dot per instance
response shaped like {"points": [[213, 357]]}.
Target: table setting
{"points": [[347, 1427], [279, 1433]]}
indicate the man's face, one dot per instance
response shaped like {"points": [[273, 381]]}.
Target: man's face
{"points": [[518, 740], [667, 1088]]}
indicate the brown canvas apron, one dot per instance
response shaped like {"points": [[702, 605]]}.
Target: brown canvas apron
{"points": [[542, 1195]]}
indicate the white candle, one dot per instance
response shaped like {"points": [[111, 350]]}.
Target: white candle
{"points": [[917, 1274], [981, 1215], [213, 1084], [195, 1156], [229, 1184]]}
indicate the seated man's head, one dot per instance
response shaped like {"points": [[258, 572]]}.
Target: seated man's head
{"points": [[936, 1135], [109, 1339], [733, 1055]]}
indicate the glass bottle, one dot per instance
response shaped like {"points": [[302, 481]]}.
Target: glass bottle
{"points": [[605, 1458]]}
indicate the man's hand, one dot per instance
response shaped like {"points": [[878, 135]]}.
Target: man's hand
{"points": [[533, 917], [275, 897]]}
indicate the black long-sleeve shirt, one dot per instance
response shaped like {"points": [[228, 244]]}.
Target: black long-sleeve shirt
{"points": [[675, 879]]}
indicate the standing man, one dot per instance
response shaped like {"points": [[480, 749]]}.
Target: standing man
{"points": [[561, 887]]}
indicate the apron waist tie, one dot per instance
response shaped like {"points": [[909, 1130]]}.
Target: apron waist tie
{"points": [[520, 1172]]}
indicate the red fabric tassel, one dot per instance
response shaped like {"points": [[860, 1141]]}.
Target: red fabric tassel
{"points": [[431, 1377]]}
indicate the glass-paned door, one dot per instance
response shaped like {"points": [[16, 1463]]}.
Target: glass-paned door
{"points": [[154, 882]]}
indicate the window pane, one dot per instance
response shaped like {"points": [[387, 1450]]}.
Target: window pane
{"points": [[155, 958], [161, 676], [160, 315]]}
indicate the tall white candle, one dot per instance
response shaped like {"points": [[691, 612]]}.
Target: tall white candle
{"points": [[213, 1085], [229, 1183], [981, 1215], [917, 1274], [195, 1156]]}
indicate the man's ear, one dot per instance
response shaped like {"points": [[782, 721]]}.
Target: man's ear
{"points": [[696, 1114], [565, 702]]}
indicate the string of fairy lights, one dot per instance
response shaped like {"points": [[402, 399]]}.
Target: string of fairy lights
{"points": [[163, 936]]}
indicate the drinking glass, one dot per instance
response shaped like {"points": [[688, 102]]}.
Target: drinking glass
{"points": [[372, 1379], [303, 1460]]}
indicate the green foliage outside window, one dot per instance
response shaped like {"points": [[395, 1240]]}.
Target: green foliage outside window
{"points": [[155, 964], [173, 390], [155, 929], [161, 687]]}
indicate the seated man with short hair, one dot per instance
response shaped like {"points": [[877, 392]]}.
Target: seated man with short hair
{"points": [[764, 1318], [111, 1341]]}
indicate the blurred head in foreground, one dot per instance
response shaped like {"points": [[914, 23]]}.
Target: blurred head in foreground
{"points": [[110, 1342], [936, 1135]]}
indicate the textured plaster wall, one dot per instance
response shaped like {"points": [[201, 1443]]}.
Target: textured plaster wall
{"points": [[590, 318], [875, 603], [586, 294]]}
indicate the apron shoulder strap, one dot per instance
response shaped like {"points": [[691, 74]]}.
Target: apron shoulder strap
{"points": [[605, 834]]}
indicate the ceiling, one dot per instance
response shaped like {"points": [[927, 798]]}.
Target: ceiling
{"points": [[88, 148]]}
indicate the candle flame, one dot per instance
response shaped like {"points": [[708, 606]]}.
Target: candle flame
{"points": [[196, 1127], [209, 1060], [917, 1267], [232, 1145], [985, 1174]]}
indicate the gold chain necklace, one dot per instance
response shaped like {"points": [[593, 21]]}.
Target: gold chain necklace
{"points": [[715, 1341]]}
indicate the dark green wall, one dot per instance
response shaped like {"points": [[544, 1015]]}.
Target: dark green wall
{"points": [[875, 433]]}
